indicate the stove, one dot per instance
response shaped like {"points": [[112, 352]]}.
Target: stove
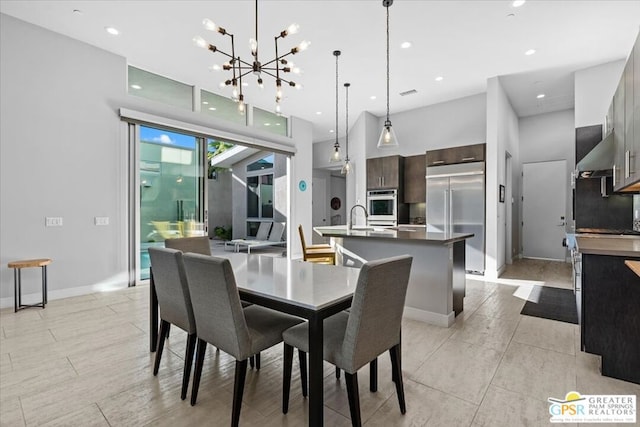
{"points": [[607, 231]]}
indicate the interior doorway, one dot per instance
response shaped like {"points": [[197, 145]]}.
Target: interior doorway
{"points": [[329, 199], [544, 209]]}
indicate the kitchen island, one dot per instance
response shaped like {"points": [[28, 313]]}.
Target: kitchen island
{"points": [[437, 282], [610, 323]]}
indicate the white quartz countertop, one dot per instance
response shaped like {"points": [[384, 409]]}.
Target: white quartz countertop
{"points": [[599, 244], [405, 232]]}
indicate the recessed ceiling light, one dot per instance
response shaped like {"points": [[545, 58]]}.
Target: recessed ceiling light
{"points": [[205, 102], [405, 45], [277, 124], [77, 12], [136, 87], [112, 31], [439, 78], [245, 84], [212, 108], [330, 130], [318, 113], [372, 97], [530, 52], [518, 3], [267, 124], [540, 96]]}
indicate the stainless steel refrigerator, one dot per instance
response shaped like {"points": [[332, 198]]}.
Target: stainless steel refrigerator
{"points": [[455, 204]]}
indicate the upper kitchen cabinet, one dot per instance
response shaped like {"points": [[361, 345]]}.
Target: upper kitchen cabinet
{"points": [[618, 135], [453, 155], [415, 185], [385, 173]]}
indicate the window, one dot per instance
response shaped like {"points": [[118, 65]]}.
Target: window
{"points": [[270, 122], [221, 107], [157, 88]]}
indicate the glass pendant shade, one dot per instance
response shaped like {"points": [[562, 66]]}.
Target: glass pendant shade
{"points": [[346, 168], [335, 156], [388, 137]]}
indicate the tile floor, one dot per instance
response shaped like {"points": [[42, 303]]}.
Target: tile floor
{"points": [[84, 361]]}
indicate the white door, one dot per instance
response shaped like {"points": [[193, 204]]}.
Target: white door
{"points": [[544, 209]]}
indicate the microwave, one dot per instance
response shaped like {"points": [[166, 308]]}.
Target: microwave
{"points": [[382, 206]]}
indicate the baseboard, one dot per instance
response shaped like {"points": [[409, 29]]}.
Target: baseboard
{"points": [[430, 317], [64, 293]]}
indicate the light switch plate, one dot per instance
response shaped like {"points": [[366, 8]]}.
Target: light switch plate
{"points": [[101, 220], [53, 221]]}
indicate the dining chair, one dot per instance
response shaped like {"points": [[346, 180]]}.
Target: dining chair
{"points": [[222, 321], [319, 253], [355, 338], [175, 305], [200, 245]]}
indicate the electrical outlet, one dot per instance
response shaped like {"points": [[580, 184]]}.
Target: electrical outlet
{"points": [[53, 221], [101, 220]]}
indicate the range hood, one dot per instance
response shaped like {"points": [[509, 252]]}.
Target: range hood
{"points": [[599, 161]]}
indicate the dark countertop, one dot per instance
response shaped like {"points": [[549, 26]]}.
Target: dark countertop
{"points": [[600, 244], [405, 232]]}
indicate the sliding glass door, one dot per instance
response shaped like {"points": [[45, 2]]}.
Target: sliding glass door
{"points": [[171, 190]]}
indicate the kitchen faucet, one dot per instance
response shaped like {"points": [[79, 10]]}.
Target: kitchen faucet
{"points": [[366, 215]]}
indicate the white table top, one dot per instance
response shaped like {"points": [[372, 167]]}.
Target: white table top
{"points": [[305, 284]]}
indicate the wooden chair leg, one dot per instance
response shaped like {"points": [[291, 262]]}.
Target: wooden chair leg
{"points": [[373, 375], [164, 330], [238, 391], [354, 398], [188, 362], [302, 359], [396, 367], [286, 377], [337, 373], [200, 352]]}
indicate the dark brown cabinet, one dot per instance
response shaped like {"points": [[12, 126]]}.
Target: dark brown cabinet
{"points": [[415, 186], [385, 173], [454, 155]]}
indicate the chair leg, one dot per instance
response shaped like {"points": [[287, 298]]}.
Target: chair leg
{"points": [[200, 352], [251, 362], [238, 390], [337, 373], [286, 377], [354, 398], [188, 361], [257, 356], [396, 367], [302, 359], [168, 330], [164, 330], [373, 375]]}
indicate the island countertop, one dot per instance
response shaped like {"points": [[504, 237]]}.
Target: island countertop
{"points": [[608, 245], [395, 233]]}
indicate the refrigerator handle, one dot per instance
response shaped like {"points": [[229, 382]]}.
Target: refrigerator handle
{"points": [[445, 210], [450, 211]]}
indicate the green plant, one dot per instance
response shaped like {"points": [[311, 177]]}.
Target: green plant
{"points": [[223, 232]]}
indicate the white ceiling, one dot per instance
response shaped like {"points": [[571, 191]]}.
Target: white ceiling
{"points": [[466, 42]]}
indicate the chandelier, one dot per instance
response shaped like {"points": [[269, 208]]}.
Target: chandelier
{"points": [[275, 68]]}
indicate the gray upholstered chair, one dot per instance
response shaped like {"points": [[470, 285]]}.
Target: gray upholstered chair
{"points": [[353, 339], [200, 245], [175, 305], [222, 321]]}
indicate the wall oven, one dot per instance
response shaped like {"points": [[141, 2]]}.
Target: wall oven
{"points": [[382, 206]]}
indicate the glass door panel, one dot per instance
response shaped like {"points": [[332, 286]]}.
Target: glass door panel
{"points": [[171, 188]]}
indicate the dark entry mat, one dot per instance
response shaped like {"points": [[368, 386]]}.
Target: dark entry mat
{"points": [[552, 303]]}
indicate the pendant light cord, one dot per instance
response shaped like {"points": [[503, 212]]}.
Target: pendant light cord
{"points": [[387, 63], [337, 55], [346, 136]]}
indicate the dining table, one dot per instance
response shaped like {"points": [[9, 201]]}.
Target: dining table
{"points": [[308, 290]]}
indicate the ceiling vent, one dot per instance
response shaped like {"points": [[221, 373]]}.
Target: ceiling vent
{"points": [[408, 92]]}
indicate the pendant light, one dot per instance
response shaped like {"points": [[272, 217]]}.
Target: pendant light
{"points": [[346, 168], [388, 137], [335, 156]]}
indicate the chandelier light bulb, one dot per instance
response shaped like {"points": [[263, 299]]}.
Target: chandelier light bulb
{"points": [[298, 86], [278, 109], [253, 43], [293, 29], [296, 70], [260, 83], [209, 25], [241, 106], [279, 93], [234, 93], [215, 67], [222, 84], [200, 42], [304, 45]]}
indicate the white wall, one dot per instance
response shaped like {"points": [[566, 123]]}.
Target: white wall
{"points": [[64, 153], [502, 137], [547, 137], [594, 89], [62, 156]]}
